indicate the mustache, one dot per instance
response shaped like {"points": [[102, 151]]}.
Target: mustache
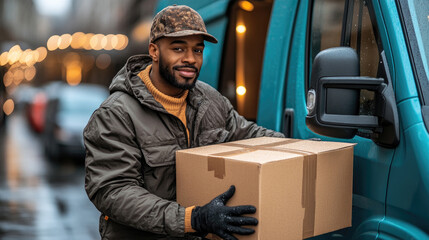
{"points": [[185, 66]]}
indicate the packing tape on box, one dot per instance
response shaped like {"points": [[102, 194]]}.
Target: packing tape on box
{"points": [[309, 194], [216, 163]]}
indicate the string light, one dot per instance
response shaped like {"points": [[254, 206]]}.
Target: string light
{"points": [[241, 90], [246, 5], [241, 28]]}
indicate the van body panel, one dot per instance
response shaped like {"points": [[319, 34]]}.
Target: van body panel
{"points": [[410, 113], [295, 90], [215, 17], [275, 59], [404, 82], [391, 228], [408, 193], [407, 206]]}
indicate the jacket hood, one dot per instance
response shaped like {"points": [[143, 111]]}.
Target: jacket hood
{"points": [[126, 77], [127, 80]]}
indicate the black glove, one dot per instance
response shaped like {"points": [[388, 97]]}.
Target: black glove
{"points": [[215, 217]]}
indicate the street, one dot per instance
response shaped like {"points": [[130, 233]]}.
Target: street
{"points": [[41, 199]]}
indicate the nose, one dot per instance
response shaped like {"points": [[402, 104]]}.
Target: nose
{"points": [[189, 57]]}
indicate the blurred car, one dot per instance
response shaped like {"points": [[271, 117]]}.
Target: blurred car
{"points": [[67, 113], [36, 112], [24, 97]]}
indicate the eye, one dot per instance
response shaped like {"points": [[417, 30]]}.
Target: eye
{"points": [[178, 49], [200, 51]]}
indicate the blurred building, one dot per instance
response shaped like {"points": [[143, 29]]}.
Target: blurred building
{"points": [[31, 23], [74, 41]]}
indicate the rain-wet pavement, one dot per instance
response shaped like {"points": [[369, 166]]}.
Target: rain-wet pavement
{"points": [[41, 199]]}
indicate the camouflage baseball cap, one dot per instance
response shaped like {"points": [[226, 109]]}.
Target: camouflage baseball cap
{"points": [[178, 21]]}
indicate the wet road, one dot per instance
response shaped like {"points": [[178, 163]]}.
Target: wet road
{"points": [[40, 199]]}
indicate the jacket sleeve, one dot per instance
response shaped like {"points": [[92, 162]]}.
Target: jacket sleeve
{"points": [[113, 178], [239, 128]]}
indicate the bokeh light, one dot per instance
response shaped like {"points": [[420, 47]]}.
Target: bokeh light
{"points": [[64, 41], [4, 58], [78, 40], [246, 5], [241, 28], [95, 41], [73, 73], [8, 79], [107, 42], [114, 41], [241, 90], [103, 61], [14, 54], [29, 73], [87, 40], [8, 106], [122, 42], [24, 55], [42, 53], [52, 43], [18, 76], [73, 66]]}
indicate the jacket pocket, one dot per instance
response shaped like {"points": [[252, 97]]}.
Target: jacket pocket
{"points": [[212, 136], [159, 154]]}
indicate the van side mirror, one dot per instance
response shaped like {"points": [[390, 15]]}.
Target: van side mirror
{"points": [[333, 100]]}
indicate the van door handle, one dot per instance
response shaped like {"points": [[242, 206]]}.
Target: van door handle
{"points": [[288, 122]]}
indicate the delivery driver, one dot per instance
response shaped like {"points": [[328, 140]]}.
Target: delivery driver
{"points": [[158, 106]]}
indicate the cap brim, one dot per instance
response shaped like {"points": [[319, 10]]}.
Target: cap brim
{"points": [[207, 37]]}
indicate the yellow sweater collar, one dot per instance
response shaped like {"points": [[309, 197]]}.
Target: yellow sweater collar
{"points": [[170, 103]]}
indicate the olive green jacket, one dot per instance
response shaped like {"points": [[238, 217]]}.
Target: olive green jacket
{"points": [[130, 145]]}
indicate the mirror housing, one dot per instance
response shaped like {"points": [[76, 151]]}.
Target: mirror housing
{"points": [[334, 95]]}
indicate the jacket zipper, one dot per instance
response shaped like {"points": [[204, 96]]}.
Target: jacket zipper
{"points": [[183, 128], [187, 138]]}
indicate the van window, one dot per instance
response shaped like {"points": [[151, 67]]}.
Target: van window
{"points": [[348, 23], [326, 26], [363, 40], [243, 55], [420, 18], [415, 18]]}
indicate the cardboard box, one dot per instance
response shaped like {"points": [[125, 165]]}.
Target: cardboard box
{"points": [[300, 188]]}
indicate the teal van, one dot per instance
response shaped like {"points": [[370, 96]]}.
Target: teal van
{"points": [[337, 70]]}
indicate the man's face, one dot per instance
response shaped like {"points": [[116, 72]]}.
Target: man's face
{"points": [[180, 60]]}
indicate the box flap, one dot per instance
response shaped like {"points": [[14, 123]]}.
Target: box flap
{"points": [[263, 156], [315, 146], [263, 141], [211, 149]]}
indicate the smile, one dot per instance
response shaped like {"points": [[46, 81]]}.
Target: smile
{"points": [[186, 72]]}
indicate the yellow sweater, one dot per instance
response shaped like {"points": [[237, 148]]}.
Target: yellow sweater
{"points": [[176, 107], [173, 105]]}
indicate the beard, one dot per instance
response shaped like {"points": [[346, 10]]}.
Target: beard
{"points": [[171, 79]]}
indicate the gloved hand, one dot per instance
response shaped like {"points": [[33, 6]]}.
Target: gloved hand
{"points": [[215, 217]]}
